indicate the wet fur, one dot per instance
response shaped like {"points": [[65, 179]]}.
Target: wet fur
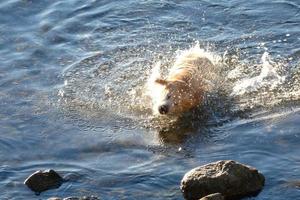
{"points": [[186, 84]]}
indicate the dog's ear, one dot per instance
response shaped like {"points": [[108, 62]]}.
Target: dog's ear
{"points": [[161, 81]]}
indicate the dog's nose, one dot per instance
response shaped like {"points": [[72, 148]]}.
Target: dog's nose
{"points": [[163, 109]]}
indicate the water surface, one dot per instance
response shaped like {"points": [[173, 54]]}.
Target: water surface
{"points": [[71, 94]]}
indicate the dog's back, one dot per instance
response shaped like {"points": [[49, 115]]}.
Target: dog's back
{"points": [[193, 68]]}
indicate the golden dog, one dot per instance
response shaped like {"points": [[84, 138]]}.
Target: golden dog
{"points": [[185, 86]]}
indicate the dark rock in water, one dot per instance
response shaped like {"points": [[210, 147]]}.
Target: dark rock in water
{"points": [[232, 179], [76, 198], [215, 196], [82, 198], [41, 181]]}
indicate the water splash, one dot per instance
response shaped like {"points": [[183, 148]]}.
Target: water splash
{"points": [[153, 90], [120, 83], [268, 78]]}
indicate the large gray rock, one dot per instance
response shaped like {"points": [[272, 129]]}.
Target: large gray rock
{"points": [[215, 196], [231, 179], [41, 181]]}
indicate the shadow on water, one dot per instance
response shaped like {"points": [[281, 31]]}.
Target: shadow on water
{"points": [[199, 122]]}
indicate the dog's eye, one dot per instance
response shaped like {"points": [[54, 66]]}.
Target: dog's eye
{"points": [[168, 96]]}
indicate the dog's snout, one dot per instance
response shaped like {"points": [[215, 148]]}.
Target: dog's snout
{"points": [[163, 109]]}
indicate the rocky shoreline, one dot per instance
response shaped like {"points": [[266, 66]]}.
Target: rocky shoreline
{"points": [[225, 179]]}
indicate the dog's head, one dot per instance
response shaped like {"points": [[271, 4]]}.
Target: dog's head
{"points": [[175, 97]]}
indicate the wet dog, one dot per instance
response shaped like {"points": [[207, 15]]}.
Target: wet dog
{"points": [[184, 87]]}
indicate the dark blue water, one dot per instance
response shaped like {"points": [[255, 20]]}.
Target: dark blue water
{"points": [[71, 79]]}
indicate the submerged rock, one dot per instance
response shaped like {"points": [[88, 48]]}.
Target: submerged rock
{"points": [[76, 198], [293, 183], [41, 181], [215, 196], [82, 198], [231, 179]]}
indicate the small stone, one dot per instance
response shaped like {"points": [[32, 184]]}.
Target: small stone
{"points": [[230, 178], [89, 198], [215, 196], [293, 183], [82, 198], [41, 181], [76, 198]]}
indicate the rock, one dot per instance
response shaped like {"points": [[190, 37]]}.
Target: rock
{"points": [[231, 179], [215, 196], [82, 198], [293, 183], [76, 198], [41, 181]]}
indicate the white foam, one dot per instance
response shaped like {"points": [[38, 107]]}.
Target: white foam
{"points": [[153, 90], [268, 77], [197, 50]]}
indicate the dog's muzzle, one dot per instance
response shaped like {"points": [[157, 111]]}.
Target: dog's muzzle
{"points": [[163, 109]]}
